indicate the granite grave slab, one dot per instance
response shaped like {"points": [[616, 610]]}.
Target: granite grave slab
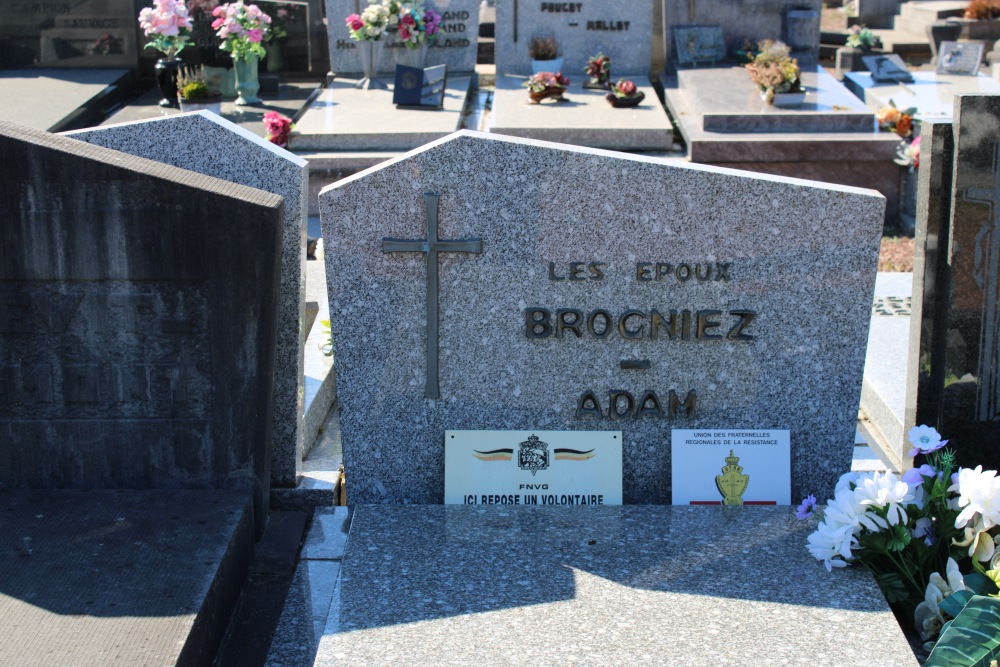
{"points": [[563, 271], [344, 118], [630, 585], [455, 46], [137, 335], [931, 93], [621, 30], [208, 144], [585, 119], [831, 138]]}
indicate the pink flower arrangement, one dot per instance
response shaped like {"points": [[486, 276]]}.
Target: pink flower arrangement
{"points": [[242, 29], [417, 25], [278, 128], [168, 24]]}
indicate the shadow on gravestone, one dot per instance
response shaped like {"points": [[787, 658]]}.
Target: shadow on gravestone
{"points": [[208, 144], [135, 354]]}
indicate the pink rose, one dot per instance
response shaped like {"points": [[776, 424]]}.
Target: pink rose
{"points": [[626, 88], [254, 35], [354, 22]]}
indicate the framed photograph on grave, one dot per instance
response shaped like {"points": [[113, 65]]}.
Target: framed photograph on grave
{"points": [[417, 88], [962, 59], [533, 468], [698, 45], [730, 467], [888, 68]]}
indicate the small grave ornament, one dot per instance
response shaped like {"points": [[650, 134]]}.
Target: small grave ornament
{"points": [[545, 85], [625, 94], [598, 70]]}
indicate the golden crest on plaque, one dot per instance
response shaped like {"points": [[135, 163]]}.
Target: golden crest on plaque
{"points": [[732, 482]]}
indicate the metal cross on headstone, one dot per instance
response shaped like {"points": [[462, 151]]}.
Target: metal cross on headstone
{"points": [[432, 245], [987, 276]]}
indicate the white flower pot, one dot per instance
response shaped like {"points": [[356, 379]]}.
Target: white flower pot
{"points": [[786, 100], [546, 65]]}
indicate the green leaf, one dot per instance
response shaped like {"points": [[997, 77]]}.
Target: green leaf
{"points": [[972, 639], [980, 584], [892, 587], [954, 603]]}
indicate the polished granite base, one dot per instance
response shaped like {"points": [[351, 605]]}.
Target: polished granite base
{"points": [[631, 585], [585, 119], [931, 93], [61, 99], [344, 118]]}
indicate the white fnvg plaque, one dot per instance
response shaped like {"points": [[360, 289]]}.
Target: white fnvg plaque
{"points": [[533, 468], [730, 467]]}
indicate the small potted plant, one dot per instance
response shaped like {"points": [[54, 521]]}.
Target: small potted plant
{"points": [[544, 52], [194, 93], [777, 75], [598, 70], [625, 94], [546, 85]]}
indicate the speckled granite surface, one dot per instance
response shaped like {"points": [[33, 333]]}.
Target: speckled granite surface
{"points": [[631, 585], [538, 203], [208, 144]]}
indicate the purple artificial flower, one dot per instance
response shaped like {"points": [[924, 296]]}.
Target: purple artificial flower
{"points": [[915, 476], [805, 510]]}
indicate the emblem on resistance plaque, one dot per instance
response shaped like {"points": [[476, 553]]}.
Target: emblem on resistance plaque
{"points": [[732, 483], [533, 455]]}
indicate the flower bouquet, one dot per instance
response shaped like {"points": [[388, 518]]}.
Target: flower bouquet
{"points": [[417, 29], [242, 29], [625, 94], [599, 70], [168, 25], [371, 24], [278, 128], [860, 37], [892, 119], [775, 73], [917, 534], [545, 85], [908, 154]]}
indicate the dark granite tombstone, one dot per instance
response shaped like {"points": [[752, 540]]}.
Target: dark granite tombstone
{"points": [[970, 398], [953, 379], [137, 322]]}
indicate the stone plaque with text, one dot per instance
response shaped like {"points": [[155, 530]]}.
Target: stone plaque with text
{"points": [[506, 284], [621, 30]]}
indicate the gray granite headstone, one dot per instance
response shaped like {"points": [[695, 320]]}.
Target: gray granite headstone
{"points": [[208, 144], [712, 297], [456, 43], [622, 30], [136, 333]]}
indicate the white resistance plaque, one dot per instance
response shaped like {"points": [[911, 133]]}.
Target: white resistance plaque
{"points": [[731, 467], [533, 468]]}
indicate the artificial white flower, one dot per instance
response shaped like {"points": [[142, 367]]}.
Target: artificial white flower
{"points": [[978, 494], [845, 509], [925, 439], [980, 543], [927, 616], [846, 480], [954, 583], [826, 544], [885, 490]]}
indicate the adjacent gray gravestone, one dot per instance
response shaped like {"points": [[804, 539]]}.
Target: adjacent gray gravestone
{"points": [[455, 46], [566, 288], [621, 30], [136, 329], [208, 144]]}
